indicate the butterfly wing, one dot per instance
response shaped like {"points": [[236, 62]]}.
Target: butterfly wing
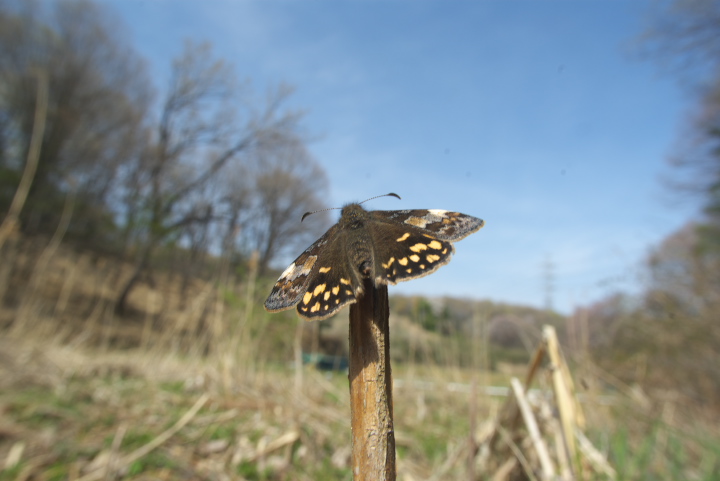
{"points": [[414, 243], [440, 224], [318, 282]]}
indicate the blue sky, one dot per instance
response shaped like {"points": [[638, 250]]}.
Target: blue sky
{"points": [[534, 116]]}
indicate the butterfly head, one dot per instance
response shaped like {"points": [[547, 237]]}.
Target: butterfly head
{"points": [[350, 208], [352, 216]]}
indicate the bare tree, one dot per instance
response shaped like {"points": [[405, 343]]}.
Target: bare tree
{"points": [[279, 185], [672, 325], [205, 125], [158, 178], [96, 102], [686, 35]]}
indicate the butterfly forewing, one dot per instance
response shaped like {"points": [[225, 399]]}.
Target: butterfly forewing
{"points": [[441, 224], [291, 285]]}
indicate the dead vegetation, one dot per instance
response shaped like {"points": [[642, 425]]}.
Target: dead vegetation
{"points": [[200, 386], [85, 415], [541, 436]]}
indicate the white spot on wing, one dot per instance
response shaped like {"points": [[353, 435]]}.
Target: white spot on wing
{"points": [[438, 212], [287, 271], [294, 271]]}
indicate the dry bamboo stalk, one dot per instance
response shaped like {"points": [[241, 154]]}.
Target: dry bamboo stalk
{"points": [[559, 442], [563, 398], [534, 364], [577, 407], [594, 456], [14, 456], [510, 413], [373, 448], [548, 470], [504, 470], [505, 436], [114, 452], [287, 439]]}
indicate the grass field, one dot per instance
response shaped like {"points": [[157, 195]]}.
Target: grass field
{"points": [[84, 395], [67, 413]]}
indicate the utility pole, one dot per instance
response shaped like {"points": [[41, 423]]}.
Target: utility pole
{"points": [[548, 270]]}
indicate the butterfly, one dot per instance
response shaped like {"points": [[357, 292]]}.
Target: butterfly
{"points": [[386, 246]]}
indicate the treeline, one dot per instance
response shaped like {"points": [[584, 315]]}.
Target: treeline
{"points": [[130, 166], [468, 332], [668, 337]]}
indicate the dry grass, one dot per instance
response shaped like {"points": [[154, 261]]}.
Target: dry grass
{"points": [[68, 413], [72, 413], [197, 384]]}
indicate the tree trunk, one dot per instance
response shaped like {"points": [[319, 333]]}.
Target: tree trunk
{"points": [[142, 264]]}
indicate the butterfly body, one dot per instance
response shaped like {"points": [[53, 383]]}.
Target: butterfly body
{"points": [[383, 246]]}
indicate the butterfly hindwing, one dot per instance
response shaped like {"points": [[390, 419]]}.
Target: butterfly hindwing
{"points": [[405, 253], [329, 290]]}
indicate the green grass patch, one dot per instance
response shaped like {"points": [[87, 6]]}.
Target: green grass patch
{"points": [[177, 387], [10, 474], [661, 454], [150, 462], [134, 439], [224, 431], [251, 471]]}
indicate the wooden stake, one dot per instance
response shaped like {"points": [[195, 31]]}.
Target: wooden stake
{"points": [[371, 410]]}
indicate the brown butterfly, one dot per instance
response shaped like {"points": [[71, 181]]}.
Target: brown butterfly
{"points": [[387, 246]]}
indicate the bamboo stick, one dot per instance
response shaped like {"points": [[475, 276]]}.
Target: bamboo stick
{"points": [[565, 403], [548, 470]]}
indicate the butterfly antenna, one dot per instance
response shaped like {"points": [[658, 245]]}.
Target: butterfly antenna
{"points": [[391, 194], [316, 211]]}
